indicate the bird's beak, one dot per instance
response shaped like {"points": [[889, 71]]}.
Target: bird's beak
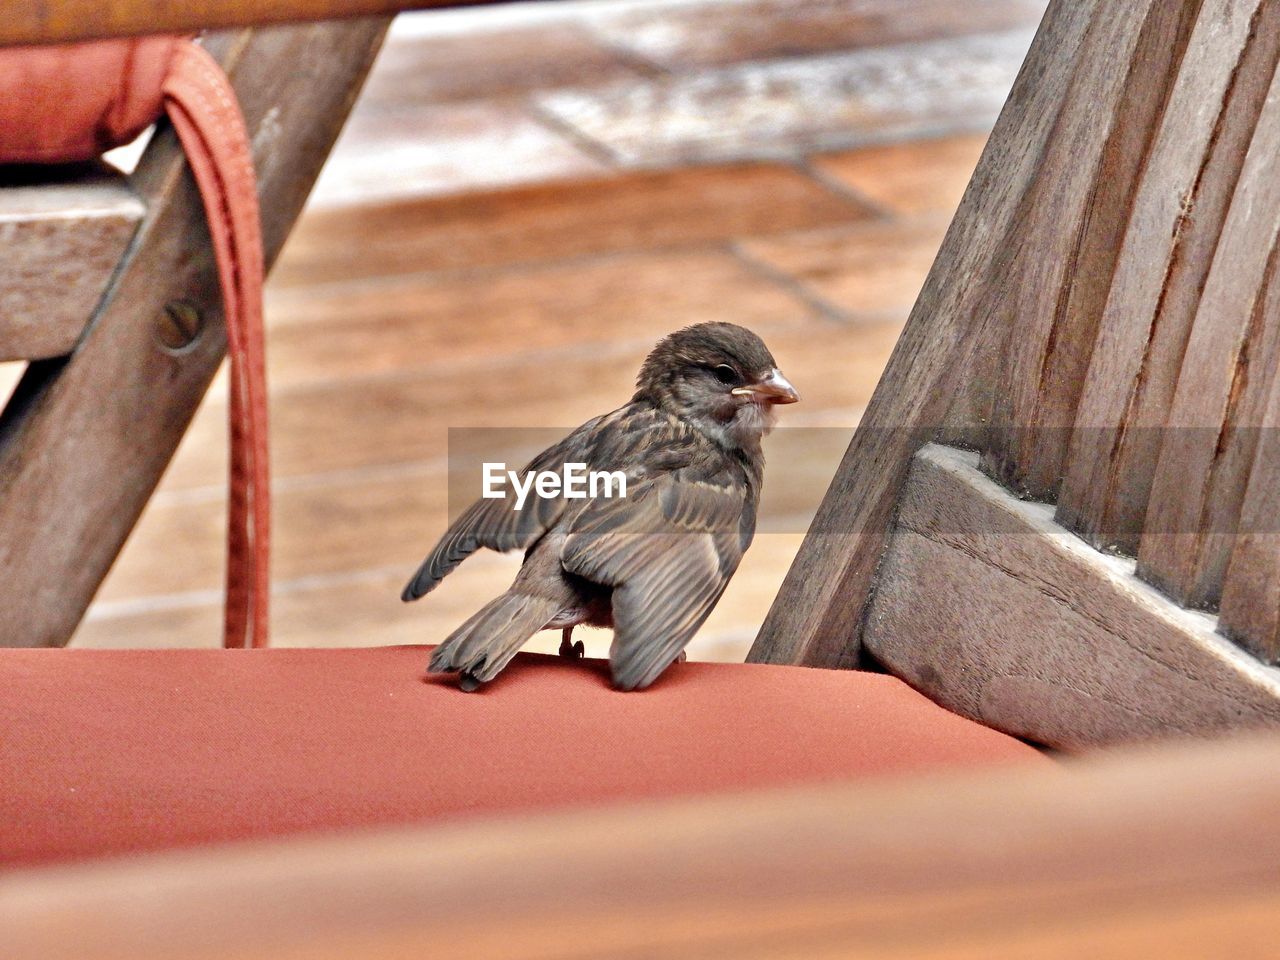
{"points": [[774, 388]]}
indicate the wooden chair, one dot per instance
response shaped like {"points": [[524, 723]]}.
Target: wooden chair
{"points": [[108, 288], [1089, 369], [1085, 549]]}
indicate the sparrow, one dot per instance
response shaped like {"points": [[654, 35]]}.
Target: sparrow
{"points": [[652, 563]]}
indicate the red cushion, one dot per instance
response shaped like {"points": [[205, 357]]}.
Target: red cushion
{"points": [[69, 102], [111, 751]]}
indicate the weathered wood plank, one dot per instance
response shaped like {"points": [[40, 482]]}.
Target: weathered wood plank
{"points": [[535, 224], [84, 441], [686, 36], [1163, 853], [63, 231], [494, 63], [1212, 428], [817, 614], [1178, 216], [777, 108], [993, 610], [57, 21], [910, 179], [1065, 256], [1250, 608]]}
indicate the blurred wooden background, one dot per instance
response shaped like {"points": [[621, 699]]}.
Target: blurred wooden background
{"points": [[526, 198]]}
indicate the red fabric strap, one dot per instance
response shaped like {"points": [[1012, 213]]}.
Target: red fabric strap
{"points": [[204, 112]]}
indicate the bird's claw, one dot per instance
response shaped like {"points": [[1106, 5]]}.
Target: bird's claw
{"points": [[572, 651]]}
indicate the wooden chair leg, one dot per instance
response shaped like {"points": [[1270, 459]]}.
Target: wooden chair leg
{"points": [[1136, 261], [87, 437]]}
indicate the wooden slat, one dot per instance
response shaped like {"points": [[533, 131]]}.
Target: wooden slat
{"points": [[1178, 216], [918, 177], [1250, 608], [816, 616], [1167, 854], [994, 611], [535, 224], [63, 231], [778, 107], [493, 63], [85, 441], [57, 21], [698, 34], [864, 271], [403, 152], [1077, 213], [1212, 430]]}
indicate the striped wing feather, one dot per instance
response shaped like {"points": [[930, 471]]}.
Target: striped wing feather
{"points": [[668, 550]]}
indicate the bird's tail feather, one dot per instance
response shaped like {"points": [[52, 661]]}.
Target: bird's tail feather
{"points": [[485, 644]]}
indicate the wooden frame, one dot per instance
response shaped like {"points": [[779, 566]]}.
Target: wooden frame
{"points": [[1168, 854], [1004, 616], [816, 617], [86, 437], [59, 21], [72, 227]]}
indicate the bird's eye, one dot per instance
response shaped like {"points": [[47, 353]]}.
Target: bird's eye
{"points": [[726, 374]]}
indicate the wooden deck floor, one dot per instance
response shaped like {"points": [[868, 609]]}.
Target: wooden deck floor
{"points": [[521, 205]]}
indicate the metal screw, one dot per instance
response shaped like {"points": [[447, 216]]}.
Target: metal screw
{"points": [[178, 326]]}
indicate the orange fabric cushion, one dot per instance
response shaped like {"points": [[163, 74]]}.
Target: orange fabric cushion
{"points": [[69, 102], [112, 751]]}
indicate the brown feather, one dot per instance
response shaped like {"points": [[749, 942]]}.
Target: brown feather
{"points": [[653, 563]]}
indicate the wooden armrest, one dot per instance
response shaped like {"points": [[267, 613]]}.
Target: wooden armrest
{"points": [[64, 231], [1165, 852], [57, 21]]}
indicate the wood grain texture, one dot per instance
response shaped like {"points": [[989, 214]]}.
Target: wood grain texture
{"points": [[1160, 853], [406, 151], [711, 33], [85, 441], [863, 271], [1066, 250], [1250, 606], [817, 614], [63, 231], [776, 108], [1178, 215], [58, 21], [1212, 429], [494, 62], [536, 224], [993, 610], [912, 178], [549, 316]]}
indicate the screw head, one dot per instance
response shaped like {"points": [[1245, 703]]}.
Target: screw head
{"points": [[179, 326]]}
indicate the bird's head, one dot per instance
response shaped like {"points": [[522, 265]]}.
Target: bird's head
{"points": [[719, 377]]}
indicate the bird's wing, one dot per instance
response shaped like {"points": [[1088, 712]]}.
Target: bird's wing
{"points": [[668, 551], [496, 524]]}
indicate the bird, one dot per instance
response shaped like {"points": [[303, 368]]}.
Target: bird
{"points": [[652, 563]]}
